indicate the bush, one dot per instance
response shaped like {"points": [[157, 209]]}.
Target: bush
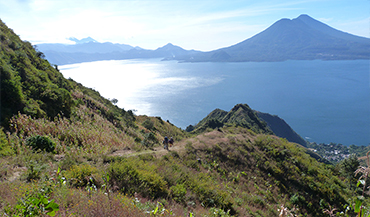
{"points": [[149, 140], [129, 178], [5, 148], [82, 176], [43, 143], [148, 124], [34, 171], [178, 193]]}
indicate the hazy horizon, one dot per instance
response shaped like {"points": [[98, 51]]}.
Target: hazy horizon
{"points": [[200, 25]]}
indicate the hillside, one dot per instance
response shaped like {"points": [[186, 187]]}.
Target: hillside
{"points": [[240, 115], [302, 38], [31, 84], [281, 128], [66, 151]]}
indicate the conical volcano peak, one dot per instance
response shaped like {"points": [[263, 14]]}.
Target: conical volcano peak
{"points": [[304, 16], [301, 38]]}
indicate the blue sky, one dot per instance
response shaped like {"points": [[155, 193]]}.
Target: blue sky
{"points": [[192, 24]]}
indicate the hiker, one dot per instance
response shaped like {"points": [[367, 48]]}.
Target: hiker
{"points": [[165, 143], [171, 142]]}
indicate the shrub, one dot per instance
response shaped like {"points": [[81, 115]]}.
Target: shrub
{"points": [[43, 143], [297, 199], [5, 148], [129, 178], [178, 193], [149, 140], [82, 176], [37, 203], [34, 171], [148, 124], [146, 157]]}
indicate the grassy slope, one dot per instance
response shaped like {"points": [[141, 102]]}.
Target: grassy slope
{"points": [[232, 168], [240, 115]]}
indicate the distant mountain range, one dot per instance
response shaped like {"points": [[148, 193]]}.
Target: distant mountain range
{"points": [[302, 38], [92, 50]]}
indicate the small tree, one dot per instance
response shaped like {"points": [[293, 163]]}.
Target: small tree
{"points": [[43, 143], [148, 124], [149, 140], [348, 167], [114, 101]]}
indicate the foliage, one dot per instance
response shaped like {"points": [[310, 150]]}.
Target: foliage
{"points": [[241, 115], [32, 85], [5, 148], [149, 140], [148, 124], [34, 170], [83, 131], [43, 143], [160, 128], [37, 204], [81, 176], [348, 168], [137, 176], [178, 192], [214, 212]]}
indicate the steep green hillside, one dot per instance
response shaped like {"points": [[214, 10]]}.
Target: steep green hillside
{"points": [[29, 84], [281, 128], [241, 115]]}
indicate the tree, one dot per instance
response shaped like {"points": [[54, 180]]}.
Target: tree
{"points": [[189, 128], [348, 167], [148, 124], [114, 101]]}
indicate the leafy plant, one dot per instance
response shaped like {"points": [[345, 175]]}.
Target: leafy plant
{"points": [[43, 143], [82, 176], [178, 192], [215, 212], [5, 148], [149, 140], [37, 204], [33, 171], [137, 176], [148, 124], [365, 171]]}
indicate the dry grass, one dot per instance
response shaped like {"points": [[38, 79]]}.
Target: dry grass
{"points": [[84, 131]]}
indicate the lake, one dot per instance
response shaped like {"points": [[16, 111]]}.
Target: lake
{"points": [[323, 101]]}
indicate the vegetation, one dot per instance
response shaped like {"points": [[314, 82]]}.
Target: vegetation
{"points": [[241, 115], [69, 152]]}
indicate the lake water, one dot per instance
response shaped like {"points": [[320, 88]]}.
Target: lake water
{"points": [[323, 101]]}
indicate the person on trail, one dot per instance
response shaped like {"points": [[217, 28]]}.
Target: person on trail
{"points": [[171, 142], [165, 143]]}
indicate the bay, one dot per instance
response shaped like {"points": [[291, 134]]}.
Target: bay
{"points": [[323, 101]]}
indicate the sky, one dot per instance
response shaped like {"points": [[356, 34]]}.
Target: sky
{"points": [[191, 24]]}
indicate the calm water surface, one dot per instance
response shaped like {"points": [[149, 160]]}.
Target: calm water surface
{"points": [[323, 101]]}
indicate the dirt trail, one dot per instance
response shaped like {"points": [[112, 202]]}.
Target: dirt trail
{"points": [[157, 151], [209, 138]]}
